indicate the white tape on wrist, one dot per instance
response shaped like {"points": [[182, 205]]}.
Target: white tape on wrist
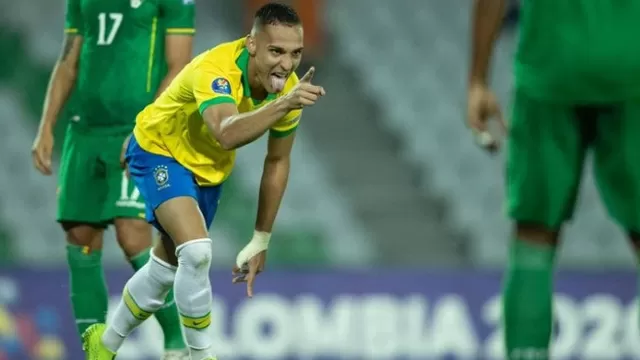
{"points": [[258, 244]]}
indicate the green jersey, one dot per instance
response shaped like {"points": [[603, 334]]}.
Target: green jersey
{"points": [[122, 61], [579, 51]]}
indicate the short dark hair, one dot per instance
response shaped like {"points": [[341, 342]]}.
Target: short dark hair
{"points": [[276, 14]]}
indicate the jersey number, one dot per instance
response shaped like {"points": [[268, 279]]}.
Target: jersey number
{"points": [[103, 37], [124, 190]]}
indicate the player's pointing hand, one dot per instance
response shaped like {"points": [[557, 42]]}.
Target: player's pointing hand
{"points": [[304, 93], [41, 151]]}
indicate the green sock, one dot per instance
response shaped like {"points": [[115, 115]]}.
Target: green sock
{"points": [[527, 301], [166, 316], [88, 288]]}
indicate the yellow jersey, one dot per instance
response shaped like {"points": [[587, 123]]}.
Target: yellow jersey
{"points": [[173, 126]]}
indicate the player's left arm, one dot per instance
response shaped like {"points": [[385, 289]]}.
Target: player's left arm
{"points": [[275, 176], [179, 18]]}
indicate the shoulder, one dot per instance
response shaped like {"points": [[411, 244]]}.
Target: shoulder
{"points": [[215, 72], [221, 60], [215, 62]]}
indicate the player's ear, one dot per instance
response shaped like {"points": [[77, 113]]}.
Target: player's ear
{"points": [[251, 45]]}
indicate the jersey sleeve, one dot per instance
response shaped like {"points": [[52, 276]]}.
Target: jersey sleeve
{"points": [[179, 16], [212, 86], [289, 123], [73, 18]]}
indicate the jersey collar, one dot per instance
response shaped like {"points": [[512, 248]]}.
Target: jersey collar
{"points": [[243, 64]]}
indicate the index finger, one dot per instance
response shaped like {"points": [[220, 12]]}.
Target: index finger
{"points": [[309, 75], [251, 277]]}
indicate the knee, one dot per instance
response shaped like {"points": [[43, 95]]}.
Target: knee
{"points": [[537, 234], [83, 235], [533, 249], [195, 254], [634, 238], [134, 235]]}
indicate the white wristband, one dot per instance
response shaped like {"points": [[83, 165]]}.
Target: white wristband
{"points": [[258, 244]]}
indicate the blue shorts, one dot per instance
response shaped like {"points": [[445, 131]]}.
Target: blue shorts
{"points": [[161, 178]]}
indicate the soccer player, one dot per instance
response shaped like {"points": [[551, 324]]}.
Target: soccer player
{"points": [[577, 89], [181, 152], [117, 55]]}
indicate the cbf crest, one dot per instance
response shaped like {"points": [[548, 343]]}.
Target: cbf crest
{"points": [[161, 175], [135, 4]]}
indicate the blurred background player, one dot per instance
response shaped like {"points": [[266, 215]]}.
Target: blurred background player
{"points": [[577, 88], [182, 151], [118, 55]]}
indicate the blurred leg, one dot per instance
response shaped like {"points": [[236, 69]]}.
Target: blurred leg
{"points": [[545, 156], [617, 168]]}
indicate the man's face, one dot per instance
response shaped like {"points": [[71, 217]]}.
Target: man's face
{"points": [[277, 54]]}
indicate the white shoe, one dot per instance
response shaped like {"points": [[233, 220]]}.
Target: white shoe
{"points": [[176, 355]]}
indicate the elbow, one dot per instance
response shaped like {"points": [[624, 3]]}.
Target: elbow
{"points": [[227, 145], [276, 171], [226, 142], [222, 136], [277, 161]]}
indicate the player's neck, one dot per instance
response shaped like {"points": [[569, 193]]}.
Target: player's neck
{"points": [[258, 92]]}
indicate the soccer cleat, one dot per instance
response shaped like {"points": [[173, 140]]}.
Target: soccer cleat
{"points": [[176, 355], [92, 343]]}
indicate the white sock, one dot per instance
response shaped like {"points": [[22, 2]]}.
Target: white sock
{"points": [[144, 294], [192, 292]]}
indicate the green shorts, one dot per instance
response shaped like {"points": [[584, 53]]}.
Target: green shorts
{"points": [[548, 144], [93, 188]]}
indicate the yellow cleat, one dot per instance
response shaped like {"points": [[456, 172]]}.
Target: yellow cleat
{"points": [[92, 343]]}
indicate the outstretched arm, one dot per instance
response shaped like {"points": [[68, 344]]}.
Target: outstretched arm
{"points": [[487, 19], [233, 130]]}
